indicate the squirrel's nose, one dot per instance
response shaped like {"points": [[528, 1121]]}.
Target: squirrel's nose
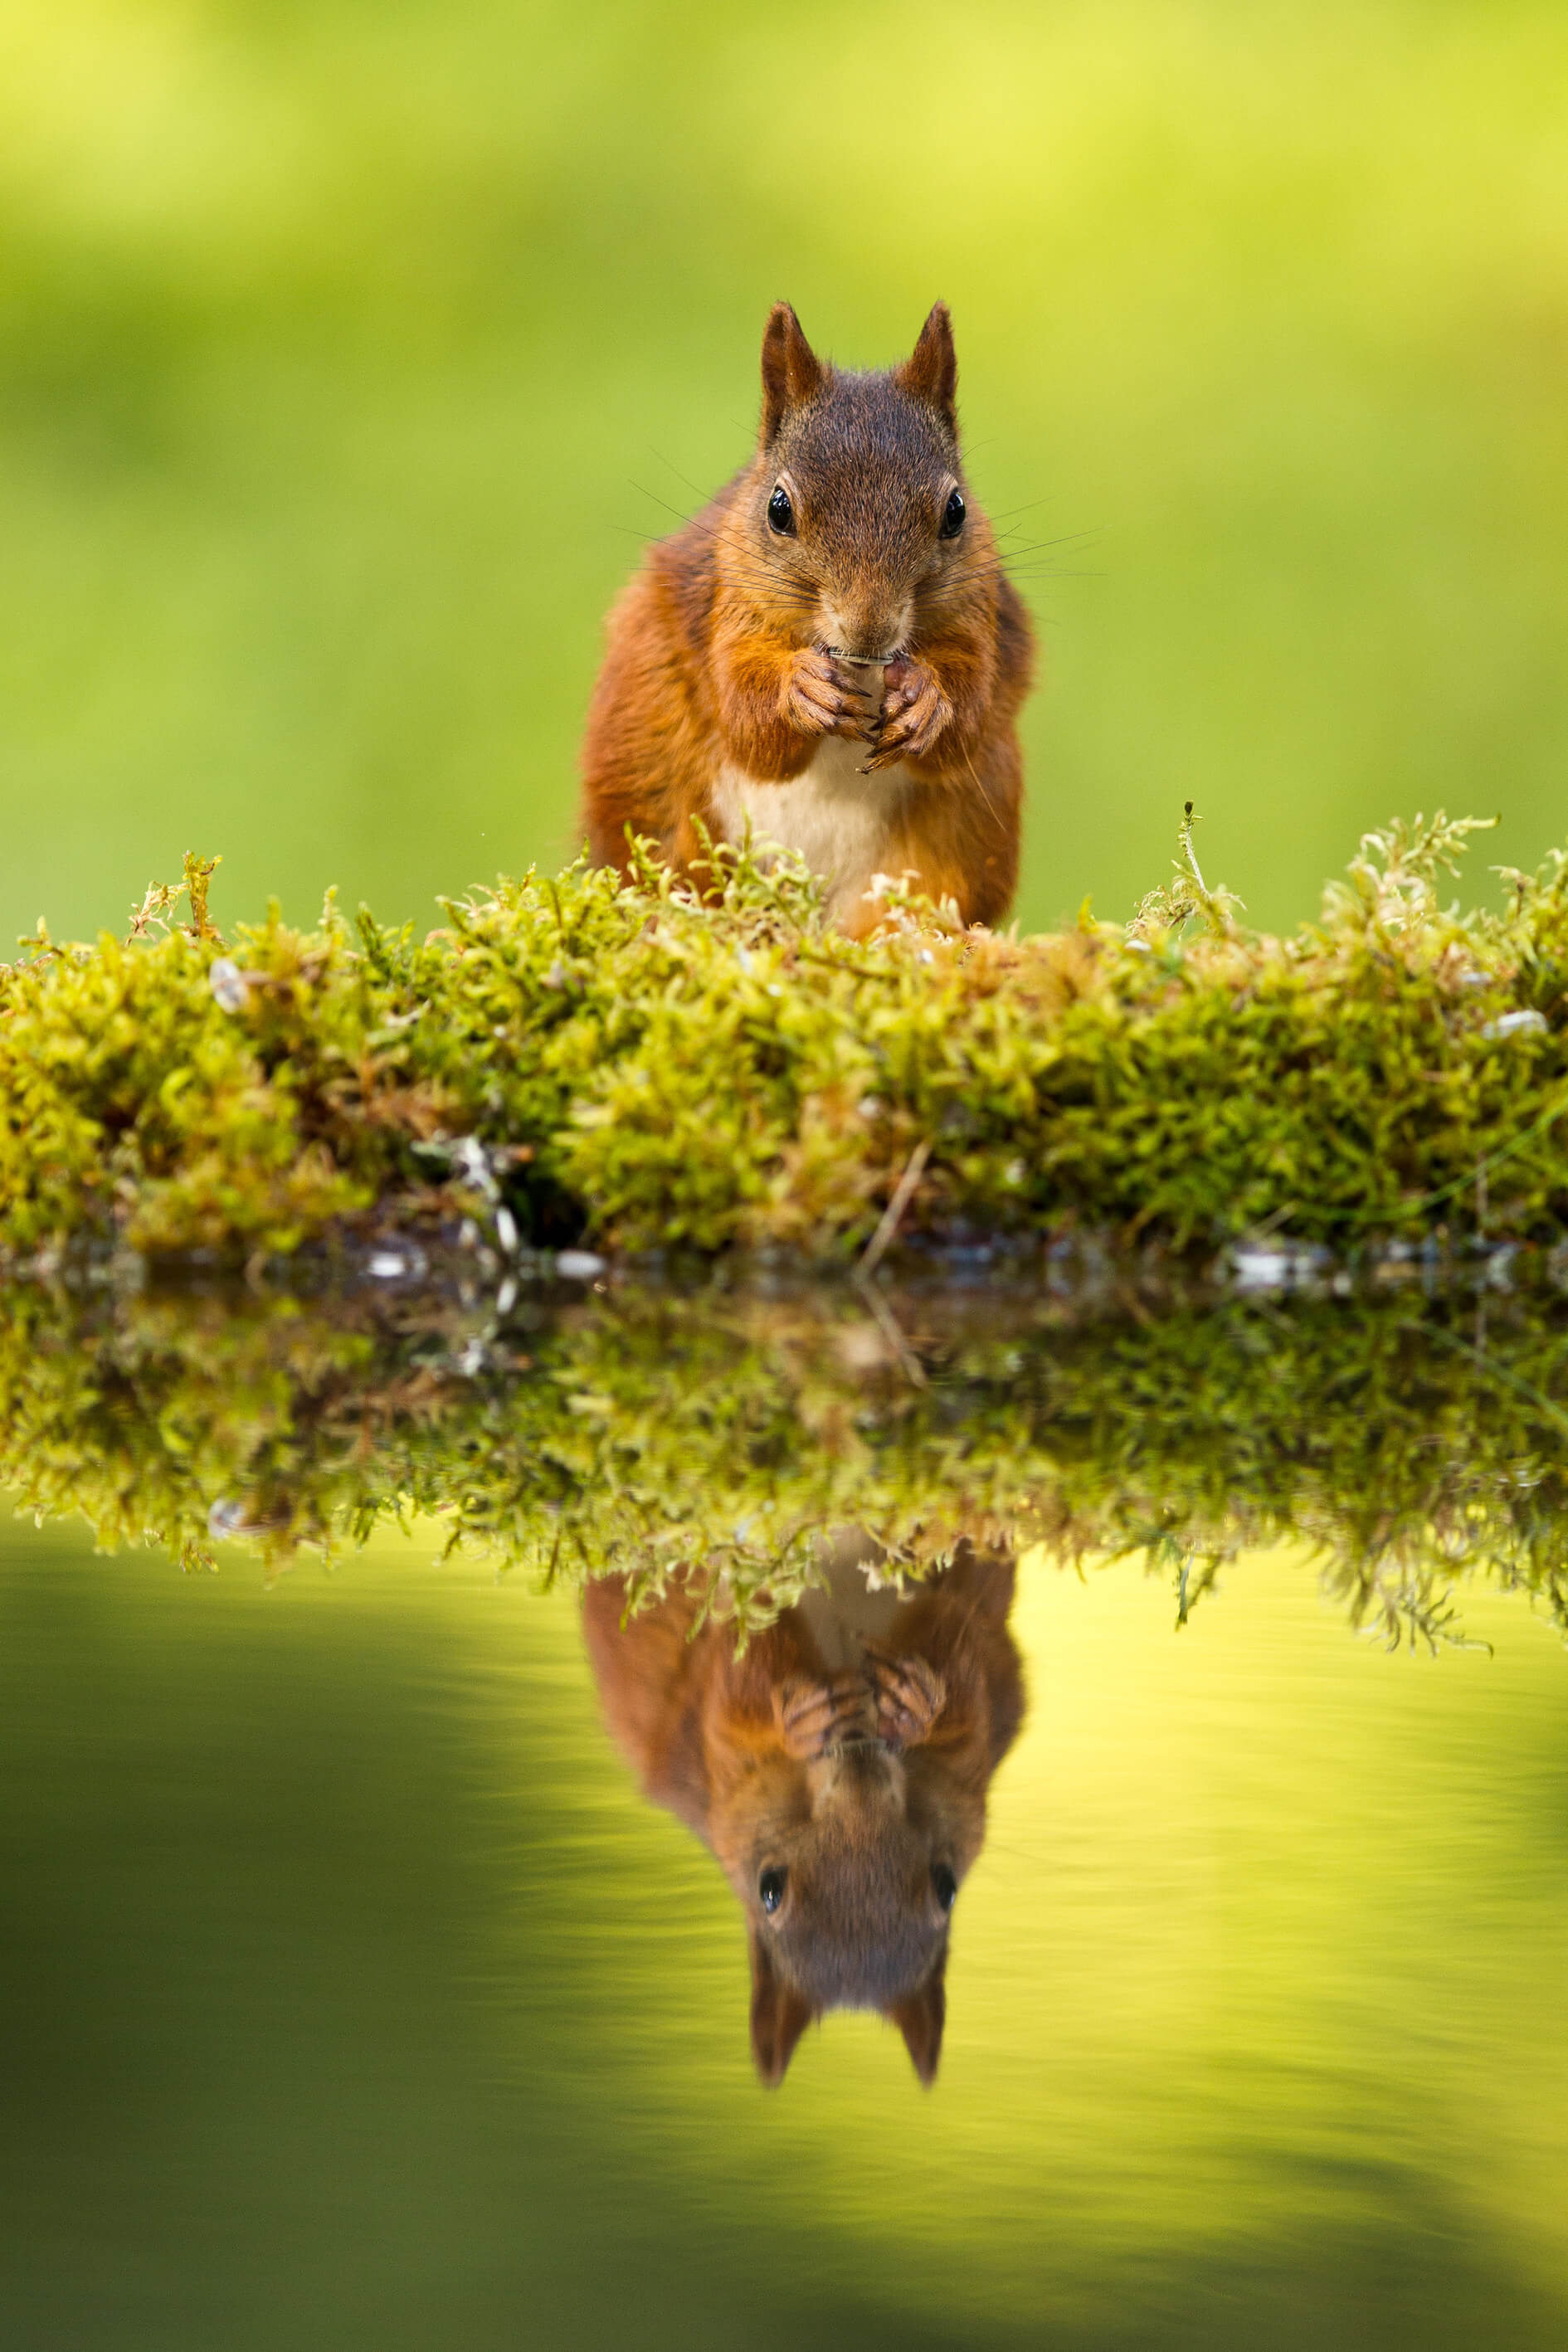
{"points": [[861, 1772], [866, 631]]}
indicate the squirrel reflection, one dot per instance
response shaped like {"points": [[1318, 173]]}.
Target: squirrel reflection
{"points": [[837, 1770]]}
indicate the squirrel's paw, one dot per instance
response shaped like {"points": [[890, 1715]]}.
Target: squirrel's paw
{"points": [[820, 699], [908, 1694], [914, 712], [814, 1716]]}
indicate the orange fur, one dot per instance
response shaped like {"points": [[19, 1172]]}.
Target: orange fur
{"points": [[854, 1762], [738, 651]]}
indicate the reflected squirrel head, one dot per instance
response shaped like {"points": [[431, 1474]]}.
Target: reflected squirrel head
{"points": [[848, 1886], [854, 523], [836, 1766]]}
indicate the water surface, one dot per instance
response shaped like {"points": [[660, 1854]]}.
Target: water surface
{"points": [[352, 1993]]}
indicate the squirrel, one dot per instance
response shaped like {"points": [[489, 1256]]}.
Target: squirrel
{"points": [[837, 1770], [829, 654]]}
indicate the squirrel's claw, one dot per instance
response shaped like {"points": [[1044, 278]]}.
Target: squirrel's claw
{"points": [[908, 1694], [818, 698], [814, 1716], [914, 712], [811, 702]]}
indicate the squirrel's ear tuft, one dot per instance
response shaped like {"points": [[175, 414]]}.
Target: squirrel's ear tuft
{"points": [[931, 371], [792, 372], [780, 2014], [919, 2018]]}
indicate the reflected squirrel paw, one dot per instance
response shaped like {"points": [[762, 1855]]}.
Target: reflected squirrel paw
{"points": [[815, 1717], [908, 1694]]}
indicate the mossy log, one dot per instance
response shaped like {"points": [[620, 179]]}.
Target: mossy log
{"points": [[632, 1068]]}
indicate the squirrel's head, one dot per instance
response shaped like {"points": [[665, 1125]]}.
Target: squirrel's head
{"points": [[849, 1895], [854, 515]]}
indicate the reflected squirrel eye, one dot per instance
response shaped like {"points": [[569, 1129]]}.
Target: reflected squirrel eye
{"points": [[771, 1887], [943, 1884], [952, 515], [781, 514]]}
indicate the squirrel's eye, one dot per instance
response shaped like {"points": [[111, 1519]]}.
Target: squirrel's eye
{"points": [[771, 1887], [952, 515], [944, 1886], [781, 514]]}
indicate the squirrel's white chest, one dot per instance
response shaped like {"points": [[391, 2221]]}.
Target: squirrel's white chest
{"points": [[847, 1610], [839, 821]]}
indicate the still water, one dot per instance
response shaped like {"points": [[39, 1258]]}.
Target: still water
{"points": [[353, 1992]]}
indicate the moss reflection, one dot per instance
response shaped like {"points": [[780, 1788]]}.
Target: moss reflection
{"points": [[706, 1444]]}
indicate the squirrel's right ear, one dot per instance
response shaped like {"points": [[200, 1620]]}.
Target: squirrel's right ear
{"points": [[792, 372], [780, 2014]]}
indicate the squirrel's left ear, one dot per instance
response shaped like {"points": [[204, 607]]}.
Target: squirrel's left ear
{"points": [[919, 2018], [780, 2014], [931, 371]]}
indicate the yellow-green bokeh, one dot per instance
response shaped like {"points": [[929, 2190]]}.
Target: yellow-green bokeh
{"points": [[354, 1997], [346, 348]]}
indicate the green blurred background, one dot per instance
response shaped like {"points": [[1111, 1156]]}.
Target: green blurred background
{"points": [[347, 349]]}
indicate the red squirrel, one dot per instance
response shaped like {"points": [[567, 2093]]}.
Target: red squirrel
{"points": [[829, 653], [837, 1770]]}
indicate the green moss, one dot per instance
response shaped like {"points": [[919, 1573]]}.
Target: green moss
{"points": [[657, 1073], [632, 1066]]}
